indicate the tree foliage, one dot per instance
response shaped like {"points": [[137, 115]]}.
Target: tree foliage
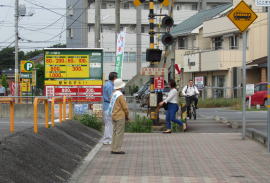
{"points": [[7, 57], [4, 81]]}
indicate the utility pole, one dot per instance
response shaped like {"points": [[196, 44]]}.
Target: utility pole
{"points": [[117, 21], [173, 46], [139, 38], [16, 48], [97, 24]]}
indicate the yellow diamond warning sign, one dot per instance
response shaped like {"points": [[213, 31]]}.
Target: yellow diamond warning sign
{"points": [[242, 16]]}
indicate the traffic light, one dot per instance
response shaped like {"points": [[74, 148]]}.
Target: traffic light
{"points": [[167, 38], [164, 2], [153, 55], [138, 2], [167, 21]]}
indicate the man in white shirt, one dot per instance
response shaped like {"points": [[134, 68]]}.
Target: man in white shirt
{"points": [[190, 91]]}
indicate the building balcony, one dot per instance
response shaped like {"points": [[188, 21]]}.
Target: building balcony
{"points": [[213, 60]]}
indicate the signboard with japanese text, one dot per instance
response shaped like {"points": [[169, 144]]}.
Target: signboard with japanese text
{"points": [[73, 63], [159, 83], [199, 82], [77, 73], [242, 16], [147, 71], [262, 2], [78, 93], [250, 88]]}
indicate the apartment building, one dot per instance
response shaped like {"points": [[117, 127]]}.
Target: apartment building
{"points": [[80, 34], [213, 50]]}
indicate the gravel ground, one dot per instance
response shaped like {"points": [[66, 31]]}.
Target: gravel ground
{"points": [[50, 156]]}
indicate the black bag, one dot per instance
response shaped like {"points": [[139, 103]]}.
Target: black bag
{"points": [[165, 106]]}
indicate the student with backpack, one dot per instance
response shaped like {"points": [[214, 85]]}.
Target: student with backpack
{"points": [[190, 92]]}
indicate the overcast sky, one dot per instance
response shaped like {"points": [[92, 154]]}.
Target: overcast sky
{"points": [[44, 28]]}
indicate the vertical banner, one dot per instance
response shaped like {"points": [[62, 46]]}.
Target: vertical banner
{"points": [[120, 53]]}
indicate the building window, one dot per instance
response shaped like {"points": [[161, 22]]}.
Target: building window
{"points": [[217, 43], [143, 57], [194, 7], [233, 42], [132, 57], [126, 5], [108, 57], [145, 6], [103, 5], [89, 28], [182, 43], [70, 33], [142, 29], [125, 57]]}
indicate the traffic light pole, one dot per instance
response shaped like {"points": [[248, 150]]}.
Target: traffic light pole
{"points": [[154, 114]]}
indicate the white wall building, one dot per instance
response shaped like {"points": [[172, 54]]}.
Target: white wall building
{"points": [[182, 10]]}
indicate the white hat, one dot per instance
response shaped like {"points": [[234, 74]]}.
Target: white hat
{"points": [[118, 83]]}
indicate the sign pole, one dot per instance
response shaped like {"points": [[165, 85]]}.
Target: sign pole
{"points": [[244, 85], [268, 86]]}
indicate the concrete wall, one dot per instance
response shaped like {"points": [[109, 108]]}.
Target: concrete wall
{"points": [[220, 59], [22, 111]]}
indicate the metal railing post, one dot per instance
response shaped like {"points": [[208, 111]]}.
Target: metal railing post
{"points": [[36, 115], [64, 108], [52, 112]]}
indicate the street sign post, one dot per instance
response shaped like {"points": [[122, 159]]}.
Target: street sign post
{"points": [[243, 16]]}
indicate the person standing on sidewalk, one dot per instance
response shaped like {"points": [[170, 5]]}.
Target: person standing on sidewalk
{"points": [[2, 90], [107, 118], [119, 110], [172, 103]]}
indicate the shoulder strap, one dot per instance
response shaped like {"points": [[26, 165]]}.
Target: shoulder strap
{"points": [[186, 90]]}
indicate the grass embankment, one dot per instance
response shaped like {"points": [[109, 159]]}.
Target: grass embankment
{"points": [[219, 102]]}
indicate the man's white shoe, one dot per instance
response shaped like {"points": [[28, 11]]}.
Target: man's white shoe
{"points": [[107, 143]]}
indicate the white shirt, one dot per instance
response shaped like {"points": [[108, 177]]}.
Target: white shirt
{"points": [[190, 91], [172, 96]]}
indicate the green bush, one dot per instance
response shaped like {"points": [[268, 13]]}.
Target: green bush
{"points": [[91, 121], [139, 125], [218, 102]]}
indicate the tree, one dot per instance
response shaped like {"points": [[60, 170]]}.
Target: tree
{"points": [[40, 76], [7, 57], [4, 80], [32, 54]]}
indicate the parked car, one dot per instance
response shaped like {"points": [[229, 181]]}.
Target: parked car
{"points": [[260, 95]]}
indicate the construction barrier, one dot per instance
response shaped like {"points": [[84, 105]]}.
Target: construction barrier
{"points": [[11, 112]]}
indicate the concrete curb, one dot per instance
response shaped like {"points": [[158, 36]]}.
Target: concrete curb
{"points": [[81, 169], [257, 136]]}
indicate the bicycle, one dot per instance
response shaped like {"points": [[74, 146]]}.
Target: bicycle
{"points": [[192, 111]]}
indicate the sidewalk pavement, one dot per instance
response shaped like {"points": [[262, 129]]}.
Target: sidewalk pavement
{"points": [[181, 157]]}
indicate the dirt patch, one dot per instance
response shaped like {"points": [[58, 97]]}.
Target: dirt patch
{"points": [[52, 155]]}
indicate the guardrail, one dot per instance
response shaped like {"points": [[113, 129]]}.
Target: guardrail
{"points": [[11, 112], [36, 101]]}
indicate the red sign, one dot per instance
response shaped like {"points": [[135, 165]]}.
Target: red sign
{"points": [[89, 93], [159, 83]]}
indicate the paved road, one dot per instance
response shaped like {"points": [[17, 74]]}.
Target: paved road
{"points": [[255, 119]]}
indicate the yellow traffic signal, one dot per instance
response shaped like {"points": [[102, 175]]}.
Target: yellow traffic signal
{"points": [[138, 2], [165, 2]]}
